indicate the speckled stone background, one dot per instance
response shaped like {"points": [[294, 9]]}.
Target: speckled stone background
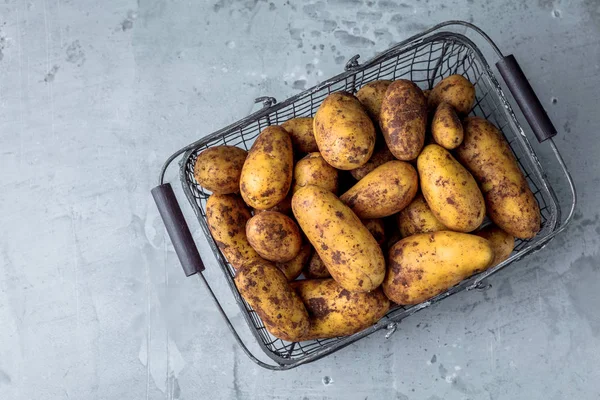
{"points": [[93, 304]]}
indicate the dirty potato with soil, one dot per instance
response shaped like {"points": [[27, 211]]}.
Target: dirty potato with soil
{"points": [[455, 90], [314, 170], [274, 236], [301, 132], [371, 96], [417, 217], [218, 169], [446, 129]]}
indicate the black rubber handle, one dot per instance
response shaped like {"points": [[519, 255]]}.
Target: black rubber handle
{"points": [[177, 228], [526, 98]]}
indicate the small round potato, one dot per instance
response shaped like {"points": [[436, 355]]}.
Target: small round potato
{"points": [[301, 132], [503, 243], [274, 236], [446, 129], [293, 268], [314, 170], [316, 268], [417, 217], [377, 229], [344, 132], [380, 156], [371, 97], [455, 90], [218, 169]]}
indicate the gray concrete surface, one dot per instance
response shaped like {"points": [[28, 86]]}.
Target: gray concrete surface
{"points": [[93, 304]]}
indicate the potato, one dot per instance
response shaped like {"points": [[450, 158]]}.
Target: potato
{"points": [[333, 311], [426, 93], [403, 119], [218, 169], [511, 204], [284, 206], [351, 254], [267, 291], [377, 229], [449, 189], [293, 268], [417, 217], [344, 132], [314, 170], [455, 90], [380, 156], [503, 243], [267, 173], [316, 268], [227, 215], [371, 97], [301, 133], [425, 265], [384, 191], [446, 129], [274, 236]]}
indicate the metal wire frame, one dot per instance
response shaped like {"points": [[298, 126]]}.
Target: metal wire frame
{"points": [[425, 60]]}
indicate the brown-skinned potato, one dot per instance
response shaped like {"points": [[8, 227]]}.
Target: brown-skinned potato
{"points": [[446, 129], [344, 132], [377, 229], [403, 119], [267, 173], [293, 268], [351, 254], [226, 215], [371, 96], [316, 268], [314, 170], [384, 191], [380, 156], [455, 90], [424, 265], [301, 133], [510, 202], [218, 169], [333, 311], [503, 243], [266, 289], [417, 217], [450, 190], [274, 236]]}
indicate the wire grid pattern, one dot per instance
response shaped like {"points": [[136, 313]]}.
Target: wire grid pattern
{"points": [[425, 64]]}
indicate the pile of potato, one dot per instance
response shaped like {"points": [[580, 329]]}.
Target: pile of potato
{"points": [[415, 178]]}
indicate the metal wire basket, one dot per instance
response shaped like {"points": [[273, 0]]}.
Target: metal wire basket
{"points": [[425, 59]]}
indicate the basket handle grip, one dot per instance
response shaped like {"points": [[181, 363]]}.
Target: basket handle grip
{"points": [[526, 98], [178, 230]]}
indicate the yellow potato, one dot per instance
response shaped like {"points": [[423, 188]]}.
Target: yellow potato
{"points": [[344, 132], [267, 291], [314, 170], [316, 268], [384, 191], [333, 311], [274, 236], [455, 90], [510, 202], [403, 119], [301, 132], [425, 265], [377, 229], [293, 268], [503, 243], [227, 215], [218, 169], [417, 217], [267, 173], [446, 129], [371, 97], [449, 189], [351, 254], [380, 156], [284, 206]]}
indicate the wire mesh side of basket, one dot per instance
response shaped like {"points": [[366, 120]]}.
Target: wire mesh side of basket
{"points": [[425, 63]]}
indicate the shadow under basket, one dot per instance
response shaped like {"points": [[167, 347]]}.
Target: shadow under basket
{"points": [[424, 59]]}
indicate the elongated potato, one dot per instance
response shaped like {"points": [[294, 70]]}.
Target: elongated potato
{"points": [[510, 202], [218, 169], [377, 229], [293, 268], [417, 217], [425, 265], [449, 189], [371, 96], [455, 90], [284, 206], [333, 311], [403, 119], [384, 191], [301, 132], [344, 132], [274, 236], [316, 268], [267, 291], [267, 173], [227, 215], [446, 129], [351, 254], [502, 242], [380, 156], [314, 170]]}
